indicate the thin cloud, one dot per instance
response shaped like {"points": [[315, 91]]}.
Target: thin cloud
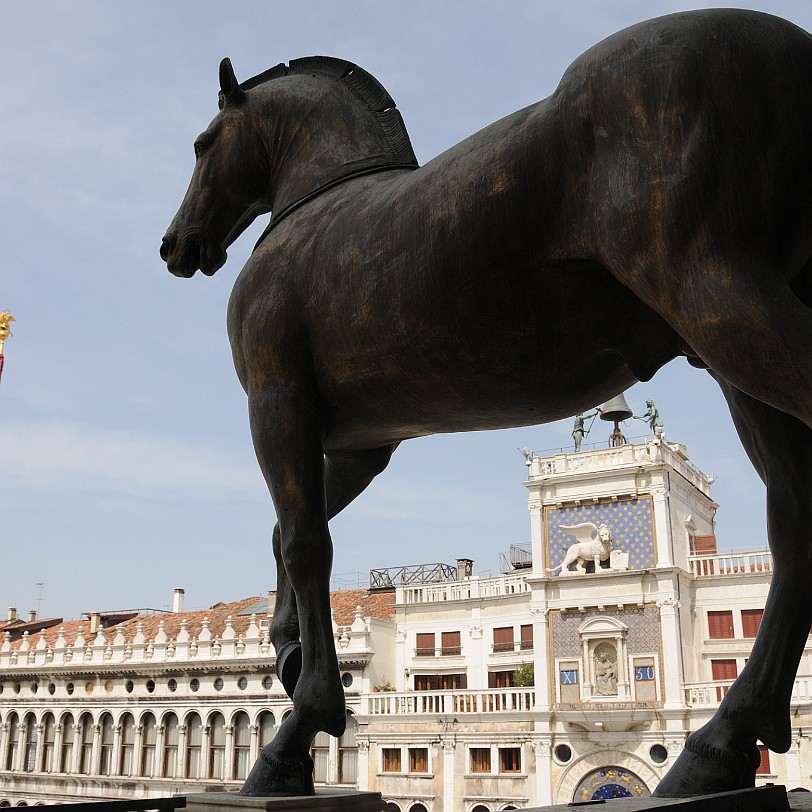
{"points": [[73, 456]]}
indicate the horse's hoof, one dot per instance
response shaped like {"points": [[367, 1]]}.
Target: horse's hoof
{"points": [[289, 665], [273, 775], [704, 769]]}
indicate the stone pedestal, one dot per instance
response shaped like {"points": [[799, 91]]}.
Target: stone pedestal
{"points": [[325, 800]]}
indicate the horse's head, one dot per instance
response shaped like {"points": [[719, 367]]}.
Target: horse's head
{"points": [[228, 190], [279, 138]]}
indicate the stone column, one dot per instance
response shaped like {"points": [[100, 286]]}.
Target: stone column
{"points": [[137, 759], [95, 752], [662, 527], [183, 752], [544, 773], [58, 730], [792, 760], [671, 660], [205, 756], [228, 754], [449, 750], [541, 657], [6, 733], [536, 534], [22, 747], [363, 765], [115, 761], [253, 752], [39, 729], [158, 766], [76, 753]]}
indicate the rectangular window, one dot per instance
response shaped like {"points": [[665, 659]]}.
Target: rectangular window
{"points": [[526, 633], [510, 759], [720, 625], [764, 766], [418, 760], [751, 621], [480, 759], [503, 639], [425, 645], [391, 759], [501, 679], [723, 670], [440, 682], [450, 644]]}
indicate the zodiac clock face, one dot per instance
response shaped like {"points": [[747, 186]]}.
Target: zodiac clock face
{"points": [[610, 782]]}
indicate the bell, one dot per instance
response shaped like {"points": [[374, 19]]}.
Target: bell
{"points": [[616, 409]]}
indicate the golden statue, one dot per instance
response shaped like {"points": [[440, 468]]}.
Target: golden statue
{"points": [[5, 330]]}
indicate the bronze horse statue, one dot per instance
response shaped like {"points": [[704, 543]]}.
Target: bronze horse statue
{"points": [[657, 204]]}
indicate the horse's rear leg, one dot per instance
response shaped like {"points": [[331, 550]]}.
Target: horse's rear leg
{"points": [[723, 755], [346, 475]]}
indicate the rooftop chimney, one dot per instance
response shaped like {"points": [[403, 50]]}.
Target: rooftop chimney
{"points": [[465, 568], [32, 615], [95, 622], [12, 614], [177, 600]]}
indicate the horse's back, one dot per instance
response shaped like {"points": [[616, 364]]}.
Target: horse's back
{"points": [[701, 124]]}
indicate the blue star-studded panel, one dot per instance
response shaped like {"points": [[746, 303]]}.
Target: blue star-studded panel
{"points": [[643, 636], [630, 520]]}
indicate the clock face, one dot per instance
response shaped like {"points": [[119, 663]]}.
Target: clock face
{"points": [[610, 782]]}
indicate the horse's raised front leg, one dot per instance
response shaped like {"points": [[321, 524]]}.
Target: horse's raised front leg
{"points": [[346, 475], [286, 431], [305, 490], [723, 755]]}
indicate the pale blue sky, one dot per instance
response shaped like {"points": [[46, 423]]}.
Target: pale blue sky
{"points": [[126, 467]]}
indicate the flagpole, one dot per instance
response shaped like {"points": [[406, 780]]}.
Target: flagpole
{"points": [[5, 332]]}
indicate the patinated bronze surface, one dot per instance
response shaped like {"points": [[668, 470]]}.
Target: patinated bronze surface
{"points": [[657, 204]]}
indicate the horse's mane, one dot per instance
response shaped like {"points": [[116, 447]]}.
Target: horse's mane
{"points": [[364, 86]]}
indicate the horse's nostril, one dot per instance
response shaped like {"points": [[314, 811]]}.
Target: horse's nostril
{"points": [[166, 247]]}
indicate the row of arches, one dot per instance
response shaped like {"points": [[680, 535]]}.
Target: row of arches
{"points": [[146, 745]]}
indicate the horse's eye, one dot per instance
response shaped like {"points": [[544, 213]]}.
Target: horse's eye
{"points": [[199, 148]]}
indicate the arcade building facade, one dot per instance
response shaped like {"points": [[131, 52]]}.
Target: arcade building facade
{"points": [[464, 694]]}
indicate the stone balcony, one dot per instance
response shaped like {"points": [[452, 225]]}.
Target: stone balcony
{"points": [[460, 701], [731, 563]]}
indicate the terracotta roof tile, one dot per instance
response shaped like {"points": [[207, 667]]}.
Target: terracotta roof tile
{"points": [[344, 602]]}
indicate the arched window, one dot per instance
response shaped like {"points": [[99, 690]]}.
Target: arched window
{"points": [[28, 738], [13, 741], [106, 745], [194, 741], [127, 744], [149, 737], [48, 743], [267, 728], [66, 755], [481, 808], [320, 753], [242, 745], [391, 807], [418, 808], [85, 743], [170, 765], [348, 753], [217, 746]]}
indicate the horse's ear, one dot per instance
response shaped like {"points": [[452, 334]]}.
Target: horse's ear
{"points": [[230, 90]]}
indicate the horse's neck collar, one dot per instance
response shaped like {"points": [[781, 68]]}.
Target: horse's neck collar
{"points": [[277, 217]]}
